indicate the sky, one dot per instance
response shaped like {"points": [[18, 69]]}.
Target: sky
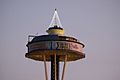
{"points": [[96, 23]]}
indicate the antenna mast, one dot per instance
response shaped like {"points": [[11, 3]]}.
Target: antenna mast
{"points": [[55, 20]]}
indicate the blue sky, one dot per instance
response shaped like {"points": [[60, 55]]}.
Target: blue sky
{"points": [[96, 23]]}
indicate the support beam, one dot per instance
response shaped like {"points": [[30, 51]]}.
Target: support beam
{"points": [[55, 65], [64, 66], [54, 70], [45, 66]]}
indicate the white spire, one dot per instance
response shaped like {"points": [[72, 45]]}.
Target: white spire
{"points": [[55, 20]]}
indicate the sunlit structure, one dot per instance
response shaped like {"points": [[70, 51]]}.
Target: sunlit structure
{"points": [[55, 48]]}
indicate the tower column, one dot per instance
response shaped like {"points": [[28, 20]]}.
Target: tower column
{"points": [[46, 75], [54, 68]]}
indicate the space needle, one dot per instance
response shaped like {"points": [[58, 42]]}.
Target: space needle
{"points": [[54, 47]]}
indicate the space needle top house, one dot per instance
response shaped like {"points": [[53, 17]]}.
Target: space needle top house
{"points": [[55, 48]]}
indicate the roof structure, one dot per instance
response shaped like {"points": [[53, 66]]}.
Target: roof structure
{"points": [[55, 20]]}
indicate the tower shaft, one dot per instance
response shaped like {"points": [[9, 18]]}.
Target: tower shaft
{"points": [[54, 68]]}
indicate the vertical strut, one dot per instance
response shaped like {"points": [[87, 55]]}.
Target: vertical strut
{"points": [[46, 76], [63, 72], [54, 67], [57, 66]]}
